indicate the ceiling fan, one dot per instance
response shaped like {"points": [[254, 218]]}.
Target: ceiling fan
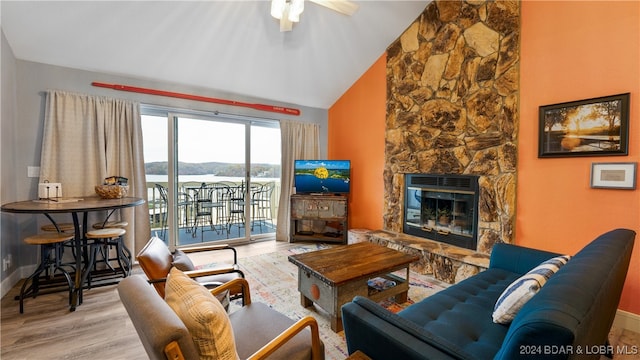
{"points": [[288, 11]]}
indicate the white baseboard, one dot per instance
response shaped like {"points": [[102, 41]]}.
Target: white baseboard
{"points": [[10, 281], [627, 321]]}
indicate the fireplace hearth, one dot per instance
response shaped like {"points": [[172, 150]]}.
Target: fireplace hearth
{"points": [[443, 208]]}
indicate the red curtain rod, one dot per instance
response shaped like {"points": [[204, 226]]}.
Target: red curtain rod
{"points": [[261, 107]]}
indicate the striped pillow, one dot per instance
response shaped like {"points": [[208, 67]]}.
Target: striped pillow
{"points": [[203, 315], [524, 288]]}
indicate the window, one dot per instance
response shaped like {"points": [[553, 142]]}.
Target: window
{"points": [[210, 177]]}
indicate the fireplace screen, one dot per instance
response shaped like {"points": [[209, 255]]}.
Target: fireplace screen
{"points": [[442, 208]]}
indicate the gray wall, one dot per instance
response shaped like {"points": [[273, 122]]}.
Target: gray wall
{"points": [[9, 179], [23, 116]]}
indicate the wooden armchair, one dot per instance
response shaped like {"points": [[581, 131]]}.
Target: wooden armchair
{"points": [[259, 331], [156, 260]]}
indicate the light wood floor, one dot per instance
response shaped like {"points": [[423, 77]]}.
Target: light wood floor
{"points": [[100, 328]]}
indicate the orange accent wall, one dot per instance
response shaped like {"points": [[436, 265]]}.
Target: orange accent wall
{"points": [[356, 132], [569, 51], [572, 51]]}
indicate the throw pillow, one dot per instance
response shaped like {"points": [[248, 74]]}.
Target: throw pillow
{"points": [[182, 261], [203, 315], [524, 288]]}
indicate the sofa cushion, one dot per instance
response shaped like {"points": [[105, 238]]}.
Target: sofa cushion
{"points": [[524, 288], [182, 261], [202, 314], [457, 320]]}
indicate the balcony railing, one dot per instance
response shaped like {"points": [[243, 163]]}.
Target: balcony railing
{"points": [[219, 225]]}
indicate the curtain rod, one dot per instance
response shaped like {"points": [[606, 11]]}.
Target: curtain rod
{"points": [[261, 107]]}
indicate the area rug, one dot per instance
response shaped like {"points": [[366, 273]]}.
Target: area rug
{"points": [[273, 280]]}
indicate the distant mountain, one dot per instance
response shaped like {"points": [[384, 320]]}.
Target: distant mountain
{"points": [[214, 168]]}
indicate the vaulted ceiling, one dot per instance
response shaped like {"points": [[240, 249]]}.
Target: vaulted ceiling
{"points": [[228, 46]]}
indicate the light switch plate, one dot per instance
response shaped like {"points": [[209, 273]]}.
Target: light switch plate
{"points": [[33, 171]]}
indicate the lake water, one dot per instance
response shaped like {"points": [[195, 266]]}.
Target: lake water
{"points": [[207, 178]]}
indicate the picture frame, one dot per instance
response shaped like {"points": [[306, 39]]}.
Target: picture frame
{"points": [[620, 175], [592, 127]]}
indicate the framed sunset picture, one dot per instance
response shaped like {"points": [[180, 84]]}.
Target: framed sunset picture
{"points": [[592, 127]]}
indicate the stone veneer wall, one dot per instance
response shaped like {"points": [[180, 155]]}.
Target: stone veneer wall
{"points": [[452, 107]]}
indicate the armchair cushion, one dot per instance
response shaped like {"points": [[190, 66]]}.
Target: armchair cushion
{"points": [[271, 323], [182, 261], [202, 314]]}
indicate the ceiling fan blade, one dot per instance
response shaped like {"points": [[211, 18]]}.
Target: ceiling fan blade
{"points": [[342, 6]]}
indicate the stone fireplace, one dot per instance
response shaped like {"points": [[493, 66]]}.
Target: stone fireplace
{"points": [[452, 109]]}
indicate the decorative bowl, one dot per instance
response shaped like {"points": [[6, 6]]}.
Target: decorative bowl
{"points": [[112, 191]]}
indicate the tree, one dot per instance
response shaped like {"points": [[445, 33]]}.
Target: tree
{"points": [[610, 111], [551, 118]]}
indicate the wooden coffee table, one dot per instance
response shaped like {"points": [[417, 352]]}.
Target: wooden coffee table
{"points": [[332, 277]]}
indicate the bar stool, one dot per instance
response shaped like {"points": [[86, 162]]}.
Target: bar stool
{"points": [[110, 225], [104, 239], [64, 227], [104, 251], [48, 242]]}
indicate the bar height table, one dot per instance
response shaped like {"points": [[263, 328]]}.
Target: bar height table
{"points": [[74, 207]]}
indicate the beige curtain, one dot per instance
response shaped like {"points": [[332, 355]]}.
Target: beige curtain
{"points": [[299, 141], [88, 138]]}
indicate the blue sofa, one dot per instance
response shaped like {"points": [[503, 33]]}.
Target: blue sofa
{"points": [[570, 317]]}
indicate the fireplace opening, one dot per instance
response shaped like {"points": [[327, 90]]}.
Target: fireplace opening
{"points": [[442, 208]]}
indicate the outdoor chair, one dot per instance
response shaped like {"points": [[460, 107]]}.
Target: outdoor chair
{"points": [[190, 323], [183, 205], [210, 200], [236, 208], [216, 206], [156, 260], [261, 210]]}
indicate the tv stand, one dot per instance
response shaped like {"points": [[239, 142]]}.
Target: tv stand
{"points": [[319, 217]]}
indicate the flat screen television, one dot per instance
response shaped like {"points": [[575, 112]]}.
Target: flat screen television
{"points": [[322, 176]]}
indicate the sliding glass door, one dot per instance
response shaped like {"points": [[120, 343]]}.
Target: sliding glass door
{"points": [[219, 177], [265, 179]]}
